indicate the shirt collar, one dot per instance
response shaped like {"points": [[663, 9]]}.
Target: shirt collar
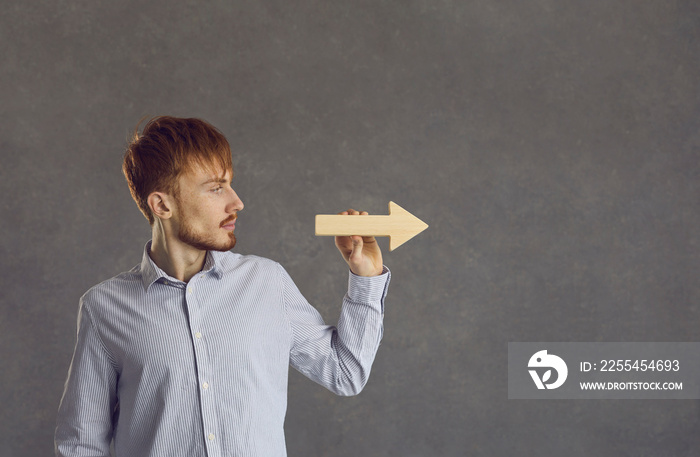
{"points": [[150, 272]]}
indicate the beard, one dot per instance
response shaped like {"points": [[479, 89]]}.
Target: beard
{"points": [[203, 241]]}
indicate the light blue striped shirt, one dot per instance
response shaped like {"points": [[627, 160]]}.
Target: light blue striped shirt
{"points": [[170, 369]]}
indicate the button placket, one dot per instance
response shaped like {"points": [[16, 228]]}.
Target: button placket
{"points": [[201, 356]]}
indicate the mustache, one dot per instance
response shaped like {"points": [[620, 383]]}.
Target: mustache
{"points": [[228, 220]]}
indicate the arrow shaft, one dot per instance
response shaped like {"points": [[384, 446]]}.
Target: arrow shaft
{"points": [[337, 225]]}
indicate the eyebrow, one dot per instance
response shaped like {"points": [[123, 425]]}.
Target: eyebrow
{"points": [[215, 180]]}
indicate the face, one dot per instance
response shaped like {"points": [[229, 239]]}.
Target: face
{"points": [[207, 209]]}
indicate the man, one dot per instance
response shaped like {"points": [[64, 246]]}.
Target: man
{"points": [[187, 354]]}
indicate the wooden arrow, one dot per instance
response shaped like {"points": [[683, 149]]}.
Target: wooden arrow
{"points": [[400, 225]]}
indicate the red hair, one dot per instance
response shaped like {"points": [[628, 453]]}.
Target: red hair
{"points": [[167, 147]]}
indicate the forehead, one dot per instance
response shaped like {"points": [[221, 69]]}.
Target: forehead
{"points": [[197, 175], [206, 171]]}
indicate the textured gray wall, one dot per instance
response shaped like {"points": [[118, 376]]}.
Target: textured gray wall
{"points": [[552, 145]]}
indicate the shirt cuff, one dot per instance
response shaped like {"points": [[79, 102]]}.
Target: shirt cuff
{"points": [[366, 289]]}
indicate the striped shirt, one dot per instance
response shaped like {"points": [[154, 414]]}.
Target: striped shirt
{"points": [[166, 368]]}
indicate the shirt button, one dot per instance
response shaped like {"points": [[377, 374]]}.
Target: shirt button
{"points": [[205, 385], [190, 290], [211, 437], [198, 335]]}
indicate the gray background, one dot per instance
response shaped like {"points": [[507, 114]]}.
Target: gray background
{"points": [[552, 146]]}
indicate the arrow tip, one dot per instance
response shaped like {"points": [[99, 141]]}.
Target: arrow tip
{"points": [[407, 226]]}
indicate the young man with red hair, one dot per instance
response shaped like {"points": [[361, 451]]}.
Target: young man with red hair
{"points": [[187, 354]]}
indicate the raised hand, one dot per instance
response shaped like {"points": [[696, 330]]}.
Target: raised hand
{"points": [[361, 253]]}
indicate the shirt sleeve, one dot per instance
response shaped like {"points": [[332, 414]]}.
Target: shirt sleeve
{"points": [[339, 358], [85, 415]]}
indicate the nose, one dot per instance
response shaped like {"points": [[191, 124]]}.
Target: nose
{"points": [[235, 203]]}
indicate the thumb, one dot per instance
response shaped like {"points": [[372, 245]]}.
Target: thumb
{"points": [[356, 248]]}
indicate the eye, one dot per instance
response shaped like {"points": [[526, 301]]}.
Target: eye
{"points": [[217, 189]]}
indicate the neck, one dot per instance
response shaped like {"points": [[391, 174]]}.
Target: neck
{"points": [[177, 259]]}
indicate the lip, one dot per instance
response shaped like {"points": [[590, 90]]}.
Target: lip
{"points": [[229, 223]]}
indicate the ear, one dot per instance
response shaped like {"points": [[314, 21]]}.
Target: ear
{"points": [[161, 205]]}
